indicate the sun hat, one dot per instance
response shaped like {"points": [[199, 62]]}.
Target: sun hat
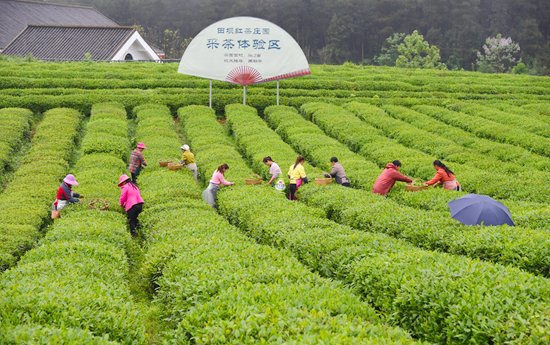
{"points": [[185, 147], [141, 146], [69, 179], [122, 179]]}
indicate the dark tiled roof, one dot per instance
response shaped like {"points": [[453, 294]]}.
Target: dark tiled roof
{"points": [[16, 15], [69, 42]]}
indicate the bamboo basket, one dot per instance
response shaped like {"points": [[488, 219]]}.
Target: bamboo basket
{"points": [[172, 166], [411, 188], [322, 181], [92, 207], [164, 163], [250, 181]]}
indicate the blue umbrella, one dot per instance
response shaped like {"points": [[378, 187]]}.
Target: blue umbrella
{"points": [[473, 209]]}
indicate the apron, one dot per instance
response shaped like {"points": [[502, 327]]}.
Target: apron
{"points": [[209, 194], [58, 205], [451, 185]]}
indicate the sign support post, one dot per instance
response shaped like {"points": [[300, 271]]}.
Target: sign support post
{"points": [[210, 93], [277, 91], [244, 94]]}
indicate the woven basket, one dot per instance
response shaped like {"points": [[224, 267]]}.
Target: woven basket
{"points": [[250, 181], [411, 188], [164, 163], [321, 181], [172, 166], [92, 207]]}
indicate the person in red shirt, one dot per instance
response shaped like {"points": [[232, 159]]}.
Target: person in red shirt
{"points": [[444, 176], [388, 177]]}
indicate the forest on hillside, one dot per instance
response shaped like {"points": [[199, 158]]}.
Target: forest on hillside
{"points": [[336, 31]]}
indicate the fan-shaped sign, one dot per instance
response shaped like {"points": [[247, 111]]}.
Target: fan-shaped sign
{"points": [[244, 51]]}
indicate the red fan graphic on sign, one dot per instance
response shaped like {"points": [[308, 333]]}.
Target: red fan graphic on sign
{"points": [[244, 75]]}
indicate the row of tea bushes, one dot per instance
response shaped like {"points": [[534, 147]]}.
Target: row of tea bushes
{"points": [[438, 297], [503, 152], [430, 230], [39, 335], [524, 248], [211, 146], [483, 128], [438, 145], [77, 279], [256, 140], [15, 126], [78, 276], [107, 131], [98, 170], [531, 124], [377, 147], [350, 77], [217, 286], [25, 204]]}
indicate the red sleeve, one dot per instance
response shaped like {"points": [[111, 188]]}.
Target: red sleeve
{"points": [[399, 177], [436, 178]]}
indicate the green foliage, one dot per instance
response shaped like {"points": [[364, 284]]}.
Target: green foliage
{"points": [[25, 204], [431, 294], [191, 265], [391, 50], [256, 141], [520, 68], [211, 145], [416, 53], [15, 125], [39, 335]]}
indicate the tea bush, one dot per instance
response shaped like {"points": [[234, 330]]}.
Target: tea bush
{"points": [[25, 204]]}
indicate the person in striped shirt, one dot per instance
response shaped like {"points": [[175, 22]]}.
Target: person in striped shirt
{"points": [[137, 161]]}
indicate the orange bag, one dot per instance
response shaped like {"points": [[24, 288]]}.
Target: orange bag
{"points": [[55, 214]]}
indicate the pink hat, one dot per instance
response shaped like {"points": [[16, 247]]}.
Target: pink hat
{"points": [[122, 179], [141, 146], [69, 179]]}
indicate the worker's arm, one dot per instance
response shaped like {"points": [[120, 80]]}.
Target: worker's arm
{"points": [[302, 171], [123, 196], [436, 179], [142, 159], [400, 177]]}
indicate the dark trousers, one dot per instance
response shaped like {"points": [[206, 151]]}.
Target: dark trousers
{"points": [[292, 192], [133, 214], [346, 184], [135, 175]]}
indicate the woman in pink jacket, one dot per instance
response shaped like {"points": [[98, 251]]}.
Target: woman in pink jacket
{"points": [[130, 198], [218, 178]]}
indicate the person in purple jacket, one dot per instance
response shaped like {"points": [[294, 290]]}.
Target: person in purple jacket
{"points": [[130, 199]]}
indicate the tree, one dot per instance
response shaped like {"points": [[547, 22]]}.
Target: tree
{"points": [[391, 51], [417, 53], [498, 54]]}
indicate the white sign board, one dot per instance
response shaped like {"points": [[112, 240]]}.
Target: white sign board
{"points": [[244, 51]]}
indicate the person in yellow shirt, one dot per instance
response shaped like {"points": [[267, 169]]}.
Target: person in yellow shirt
{"points": [[297, 176], [188, 159]]}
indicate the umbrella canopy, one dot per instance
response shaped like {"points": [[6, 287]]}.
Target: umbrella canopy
{"points": [[473, 209]]}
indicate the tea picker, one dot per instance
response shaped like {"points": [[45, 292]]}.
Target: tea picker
{"points": [[444, 176], [297, 176], [387, 179], [218, 178], [188, 159], [137, 161], [65, 195], [338, 173], [130, 199], [274, 169]]}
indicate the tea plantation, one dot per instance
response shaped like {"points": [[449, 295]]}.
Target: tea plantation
{"points": [[339, 266]]}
